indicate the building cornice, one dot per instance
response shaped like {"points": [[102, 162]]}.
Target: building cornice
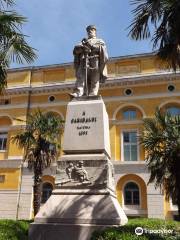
{"points": [[53, 87], [118, 99], [111, 82], [143, 79], [15, 163]]}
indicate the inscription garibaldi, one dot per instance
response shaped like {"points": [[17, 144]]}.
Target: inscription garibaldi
{"points": [[90, 58]]}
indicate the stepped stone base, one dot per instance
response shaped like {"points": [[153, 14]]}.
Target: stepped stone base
{"points": [[56, 231], [76, 214]]}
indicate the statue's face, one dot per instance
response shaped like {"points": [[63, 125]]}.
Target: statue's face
{"points": [[91, 33]]}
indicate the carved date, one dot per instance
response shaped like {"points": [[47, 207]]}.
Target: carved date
{"points": [[82, 133]]}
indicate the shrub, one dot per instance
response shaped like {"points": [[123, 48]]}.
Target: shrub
{"points": [[13, 230], [127, 232]]}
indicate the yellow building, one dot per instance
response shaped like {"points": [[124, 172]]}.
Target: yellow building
{"points": [[136, 86]]}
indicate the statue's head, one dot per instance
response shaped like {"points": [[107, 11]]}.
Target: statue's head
{"points": [[70, 164], [80, 163], [91, 31]]}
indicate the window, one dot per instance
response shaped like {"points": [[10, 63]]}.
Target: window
{"points": [[2, 178], [174, 111], [130, 146], [3, 140], [128, 92], [129, 114], [46, 192], [5, 101], [51, 98], [131, 194], [52, 149], [171, 88]]}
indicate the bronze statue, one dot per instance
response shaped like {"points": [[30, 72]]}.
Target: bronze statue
{"points": [[90, 58]]}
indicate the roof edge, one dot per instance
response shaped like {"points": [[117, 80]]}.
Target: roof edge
{"points": [[111, 59]]}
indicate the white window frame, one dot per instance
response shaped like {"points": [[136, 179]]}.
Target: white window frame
{"points": [[129, 119], [122, 144], [4, 132]]}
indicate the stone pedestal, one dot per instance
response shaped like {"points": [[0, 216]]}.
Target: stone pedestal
{"points": [[84, 199], [86, 128]]}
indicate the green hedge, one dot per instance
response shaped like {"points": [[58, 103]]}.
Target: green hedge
{"points": [[14, 230], [18, 230], [127, 232]]}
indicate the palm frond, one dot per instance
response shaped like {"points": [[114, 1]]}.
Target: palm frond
{"points": [[146, 12], [24, 139], [7, 3], [159, 20], [19, 51], [161, 141], [13, 44]]}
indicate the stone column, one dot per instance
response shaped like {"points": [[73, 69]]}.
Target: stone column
{"points": [[155, 202]]}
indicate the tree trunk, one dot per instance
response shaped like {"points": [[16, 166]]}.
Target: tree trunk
{"points": [[37, 182], [177, 167], [178, 199], [36, 201]]}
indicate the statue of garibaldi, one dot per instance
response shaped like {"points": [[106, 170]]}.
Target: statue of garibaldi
{"points": [[90, 58]]}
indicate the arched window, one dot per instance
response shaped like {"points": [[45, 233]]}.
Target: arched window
{"points": [[129, 114], [46, 192], [174, 111], [131, 194]]}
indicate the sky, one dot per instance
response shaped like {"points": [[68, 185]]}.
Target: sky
{"points": [[55, 27]]}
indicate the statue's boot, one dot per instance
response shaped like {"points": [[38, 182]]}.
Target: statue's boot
{"points": [[74, 95]]}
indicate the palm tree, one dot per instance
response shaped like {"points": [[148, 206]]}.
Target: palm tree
{"points": [[41, 142], [161, 140], [13, 46], [164, 17]]}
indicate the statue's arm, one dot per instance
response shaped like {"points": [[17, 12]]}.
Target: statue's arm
{"points": [[78, 49], [77, 52]]}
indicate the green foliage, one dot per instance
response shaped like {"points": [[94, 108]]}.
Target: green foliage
{"points": [[13, 230], [41, 141], [161, 141], [127, 232], [165, 18], [18, 230], [13, 46], [42, 132]]}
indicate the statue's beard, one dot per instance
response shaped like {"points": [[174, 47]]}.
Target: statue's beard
{"points": [[92, 36]]}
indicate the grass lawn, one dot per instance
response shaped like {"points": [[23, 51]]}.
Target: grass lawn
{"points": [[18, 230]]}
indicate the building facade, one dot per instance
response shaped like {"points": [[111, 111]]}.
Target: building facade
{"points": [[135, 87]]}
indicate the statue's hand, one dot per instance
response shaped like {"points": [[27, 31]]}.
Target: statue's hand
{"points": [[84, 41]]}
